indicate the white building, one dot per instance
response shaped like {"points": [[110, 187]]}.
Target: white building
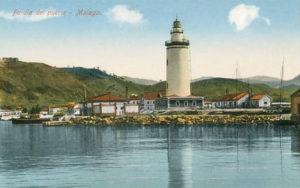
{"points": [[148, 101], [107, 104], [134, 99], [243, 100], [260, 101], [74, 109], [238, 100], [8, 114]]}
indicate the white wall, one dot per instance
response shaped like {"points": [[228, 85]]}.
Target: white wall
{"points": [[119, 105], [108, 109], [178, 71], [266, 99], [133, 108], [242, 100]]}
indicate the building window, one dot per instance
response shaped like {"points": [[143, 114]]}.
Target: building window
{"points": [[265, 102], [186, 103], [177, 103], [194, 103], [148, 102]]}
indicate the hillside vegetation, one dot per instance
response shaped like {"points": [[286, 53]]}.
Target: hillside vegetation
{"points": [[212, 88], [29, 84]]}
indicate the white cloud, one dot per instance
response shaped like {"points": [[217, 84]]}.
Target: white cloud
{"points": [[243, 15], [123, 14], [27, 18]]}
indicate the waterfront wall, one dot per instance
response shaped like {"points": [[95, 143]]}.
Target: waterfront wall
{"points": [[179, 120]]}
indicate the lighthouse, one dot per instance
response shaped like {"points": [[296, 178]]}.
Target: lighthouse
{"points": [[178, 63], [178, 87]]}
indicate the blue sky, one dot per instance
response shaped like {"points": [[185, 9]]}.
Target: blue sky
{"points": [[128, 38]]}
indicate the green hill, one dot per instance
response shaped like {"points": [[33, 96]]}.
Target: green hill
{"points": [[29, 84], [37, 83], [215, 87], [98, 82]]}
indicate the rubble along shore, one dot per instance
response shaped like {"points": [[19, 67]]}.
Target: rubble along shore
{"points": [[172, 120]]}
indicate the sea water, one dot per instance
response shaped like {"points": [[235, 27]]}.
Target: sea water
{"points": [[149, 156]]}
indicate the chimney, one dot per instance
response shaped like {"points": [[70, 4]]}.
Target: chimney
{"points": [[126, 92], [85, 94]]}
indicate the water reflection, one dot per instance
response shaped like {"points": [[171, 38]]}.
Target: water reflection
{"points": [[295, 144], [180, 158]]}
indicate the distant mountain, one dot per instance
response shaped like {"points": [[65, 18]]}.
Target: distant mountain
{"points": [[267, 80], [263, 79], [201, 78], [292, 87], [140, 80], [270, 81], [294, 81], [273, 82]]}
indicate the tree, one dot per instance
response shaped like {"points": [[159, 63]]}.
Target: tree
{"points": [[24, 110], [35, 109]]}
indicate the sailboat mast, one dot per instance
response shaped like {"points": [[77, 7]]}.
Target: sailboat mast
{"points": [[236, 78], [281, 82]]}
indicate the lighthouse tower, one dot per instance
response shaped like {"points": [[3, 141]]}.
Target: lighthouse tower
{"points": [[178, 63], [178, 92]]}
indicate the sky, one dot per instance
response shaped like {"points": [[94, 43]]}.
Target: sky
{"points": [[126, 37]]}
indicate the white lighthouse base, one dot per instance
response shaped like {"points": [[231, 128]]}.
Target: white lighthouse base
{"points": [[177, 103]]}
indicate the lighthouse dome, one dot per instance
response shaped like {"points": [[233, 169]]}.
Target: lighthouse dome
{"points": [[176, 24]]}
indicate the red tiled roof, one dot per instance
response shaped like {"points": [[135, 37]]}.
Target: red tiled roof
{"points": [[134, 98], [257, 97], [107, 97], [174, 96], [232, 97], [188, 96], [71, 104], [151, 96], [207, 102]]}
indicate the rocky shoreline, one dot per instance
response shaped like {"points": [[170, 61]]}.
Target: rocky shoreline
{"points": [[173, 120]]}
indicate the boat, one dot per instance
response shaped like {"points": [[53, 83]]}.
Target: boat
{"points": [[6, 118], [30, 121], [284, 122]]}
